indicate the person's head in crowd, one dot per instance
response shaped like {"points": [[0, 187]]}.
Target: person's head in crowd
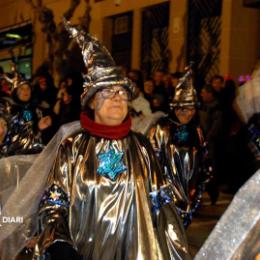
{"points": [[167, 80], [149, 87], [62, 84], [158, 77], [69, 81], [23, 92], [110, 105], [125, 70], [42, 83], [217, 82], [207, 94], [137, 77], [67, 96], [157, 103]]}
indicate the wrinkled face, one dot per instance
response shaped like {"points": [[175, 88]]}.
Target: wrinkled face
{"points": [[185, 114], [24, 93], [110, 106]]}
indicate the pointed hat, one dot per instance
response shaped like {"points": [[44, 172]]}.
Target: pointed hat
{"points": [[102, 71], [185, 93]]}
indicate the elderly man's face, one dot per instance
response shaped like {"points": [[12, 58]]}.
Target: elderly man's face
{"points": [[110, 106]]}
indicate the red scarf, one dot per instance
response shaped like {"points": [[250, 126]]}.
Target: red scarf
{"points": [[109, 132]]}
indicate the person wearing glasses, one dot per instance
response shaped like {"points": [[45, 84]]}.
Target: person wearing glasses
{"points": [[105, 196], [178, 142]]}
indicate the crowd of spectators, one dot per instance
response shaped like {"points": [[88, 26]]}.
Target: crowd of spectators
{"points": [[225, 132]]}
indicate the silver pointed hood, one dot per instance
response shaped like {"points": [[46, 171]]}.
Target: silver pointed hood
{"points": [[101, 69], [185, 93]]}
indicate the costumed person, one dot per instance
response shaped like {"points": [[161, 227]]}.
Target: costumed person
{"points": [[26, 122], [178, 142], [44, 95], [105, 196]]}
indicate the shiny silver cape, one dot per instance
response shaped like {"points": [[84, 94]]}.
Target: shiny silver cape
{"points": [[187, 168], [130, 217], [237, 234], [23, 180]]}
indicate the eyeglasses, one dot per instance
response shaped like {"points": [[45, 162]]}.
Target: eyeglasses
{"points": [[111, 93]]}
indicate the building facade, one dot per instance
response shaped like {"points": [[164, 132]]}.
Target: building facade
{"points": [[144, 34]]}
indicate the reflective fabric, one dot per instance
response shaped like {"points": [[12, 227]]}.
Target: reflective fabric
{"points": [[106, 218], [102, 71], [111, 217], [23, 136], [185, 163], [236, 235], [23, 180]]}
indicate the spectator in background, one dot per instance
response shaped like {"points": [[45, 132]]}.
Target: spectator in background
{"points": [[65, 107], [161, 102], [236, 159], [44, 95], [137, 77], [217, 83], [158, 77], [149, 89], [211, 122], [61, 88], [155, 100], [140, 105], [74, 82]]}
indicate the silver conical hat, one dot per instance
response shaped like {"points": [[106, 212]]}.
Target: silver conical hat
{"points": [[185, 93], [102, 71]]}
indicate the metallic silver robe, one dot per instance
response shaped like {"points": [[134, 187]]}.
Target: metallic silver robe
{"points": [[185, 164], [128, 218]]}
